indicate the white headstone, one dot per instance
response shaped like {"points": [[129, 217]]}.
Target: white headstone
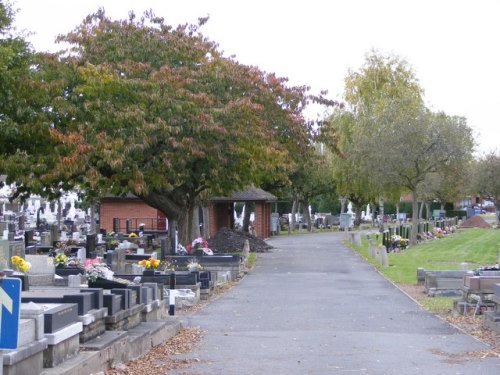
{"points": [[5, 234], [74, 281], [64, 236], [140, 251], [81, 255], [76, 236], [137, 270]]}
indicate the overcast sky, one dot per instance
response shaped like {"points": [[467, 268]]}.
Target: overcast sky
{"points": [[452, 45]]}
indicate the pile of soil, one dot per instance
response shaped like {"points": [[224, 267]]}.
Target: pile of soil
{"points": [[475, 222], [229, 241]]}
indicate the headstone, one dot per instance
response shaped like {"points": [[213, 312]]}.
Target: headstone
{"points": [[28, 237], [45, 239], [372, 248], [76, 236], [81, 255], [118, 261], [384, 260], [96, 296], [246, 249], [74, 281], [90, 244], [112, 302], [57, 316], [17, 248], [4, 254], [163, 247], [54, 232], [136, 269], [126, 297], [84, 301]]}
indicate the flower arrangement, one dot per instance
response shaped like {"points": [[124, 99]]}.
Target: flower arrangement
{"points": [[61, 259], [65, 246], [197, 244], [132, 235], [167, 265], [193, 265], [95, 268], [150, 263], [112, 244], [20, 264]]}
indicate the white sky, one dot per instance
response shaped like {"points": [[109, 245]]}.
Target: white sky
{"points": [[452, 45]]}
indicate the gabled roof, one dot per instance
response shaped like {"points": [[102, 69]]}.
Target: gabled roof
{"points": [[252, 194]]}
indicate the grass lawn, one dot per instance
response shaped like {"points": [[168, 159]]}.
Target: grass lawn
{"points": [[476, 247]]}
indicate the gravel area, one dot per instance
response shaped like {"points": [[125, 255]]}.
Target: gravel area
{"points": [[472, 325]]}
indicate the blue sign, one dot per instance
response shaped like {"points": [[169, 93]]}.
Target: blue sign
{"points": [[10, 300]]}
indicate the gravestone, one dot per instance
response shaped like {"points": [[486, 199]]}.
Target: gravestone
{"points": [[90, 244], [57, 316], [383, 258], [45, 239], [17, 248], [54, 232], [81, 255], [4, 254], [42, 269], [118, 260]]}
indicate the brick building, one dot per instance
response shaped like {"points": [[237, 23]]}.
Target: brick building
{"points": [[222, 211], [125, 214]]}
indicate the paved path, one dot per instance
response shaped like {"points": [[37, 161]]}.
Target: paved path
{"points": [[311, 306]]}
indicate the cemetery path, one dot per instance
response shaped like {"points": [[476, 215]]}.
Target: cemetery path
{"points": [[312, 306]]}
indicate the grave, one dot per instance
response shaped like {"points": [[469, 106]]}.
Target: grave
{"points": [[492, 318], [477, 294], [42, 269], [443, 282]]}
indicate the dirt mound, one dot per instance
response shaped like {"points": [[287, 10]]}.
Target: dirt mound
{"points": [[475, 222], [229, 241]]}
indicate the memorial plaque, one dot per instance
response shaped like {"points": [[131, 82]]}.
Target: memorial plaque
{"points": [[57, 316]]}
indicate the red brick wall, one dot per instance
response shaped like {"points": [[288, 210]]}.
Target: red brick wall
{"points": [[128, 208]]}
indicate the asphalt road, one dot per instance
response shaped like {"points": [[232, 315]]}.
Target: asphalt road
{"points": [[312, 306]]}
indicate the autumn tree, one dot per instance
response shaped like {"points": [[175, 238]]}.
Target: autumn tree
{"points": [[160, 112]]}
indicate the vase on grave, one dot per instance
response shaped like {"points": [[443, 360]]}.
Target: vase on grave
{"points": [[150, 272]]}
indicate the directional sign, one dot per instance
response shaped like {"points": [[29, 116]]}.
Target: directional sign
{"points": [[10, 300]]}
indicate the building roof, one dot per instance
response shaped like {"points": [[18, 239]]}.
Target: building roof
{"points": [[252, 194]]}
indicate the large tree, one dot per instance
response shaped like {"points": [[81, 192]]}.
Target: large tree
{"points": [[160, 112], [396, 141], [485, 178]]}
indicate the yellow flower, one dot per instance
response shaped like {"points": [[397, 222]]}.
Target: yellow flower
{"points": [[132, 235]]}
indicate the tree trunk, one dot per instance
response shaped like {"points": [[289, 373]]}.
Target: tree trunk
{"points": [[428, 210], [249, 207], [183, 229], [414, 229], [381, 215], [343, 202], [195, 222], [294, 211], [357, 215], [306, 214], [421, 210], [205, 230]]}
